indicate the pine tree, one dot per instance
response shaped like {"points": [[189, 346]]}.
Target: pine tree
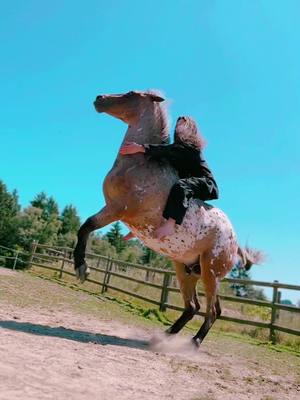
{"points": [[148, 255], [70, 220], [47, 204], [115, 237], [70, 223]]}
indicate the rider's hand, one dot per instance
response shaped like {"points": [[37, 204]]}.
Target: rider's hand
{"points": [[131, 148]]}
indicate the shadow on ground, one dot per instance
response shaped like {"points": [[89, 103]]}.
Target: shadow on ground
{"points": [[70, 334]]}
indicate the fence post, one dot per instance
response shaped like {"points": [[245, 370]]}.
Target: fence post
{"points": [[16, 259], [62, 264], [32, 252], [278, 301], [147, 275], [164, 292], [273, 313], [106, 274]]}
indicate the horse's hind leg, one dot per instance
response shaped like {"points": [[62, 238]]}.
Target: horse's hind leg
{"points": [[102, 218], [187, 285], [213, 308]]}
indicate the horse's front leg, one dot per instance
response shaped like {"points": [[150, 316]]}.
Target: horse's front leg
{"points": [[102, 218], [187, 285], [213, 308]]}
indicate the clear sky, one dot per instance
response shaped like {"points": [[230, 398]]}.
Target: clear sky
{"points": [[234, 65]]}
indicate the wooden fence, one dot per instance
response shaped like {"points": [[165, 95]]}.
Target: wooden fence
{"points": [[60, 259]]}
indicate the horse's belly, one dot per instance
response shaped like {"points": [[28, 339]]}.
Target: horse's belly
{"points": [[201, 230], [175, 246]]}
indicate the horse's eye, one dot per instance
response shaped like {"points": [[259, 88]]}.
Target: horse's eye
{"points": [[130, 93]]}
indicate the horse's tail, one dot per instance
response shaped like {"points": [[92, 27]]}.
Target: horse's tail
{"points": [[250, 256]]}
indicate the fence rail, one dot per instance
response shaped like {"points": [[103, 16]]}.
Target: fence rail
{"points": [[39, 258]]}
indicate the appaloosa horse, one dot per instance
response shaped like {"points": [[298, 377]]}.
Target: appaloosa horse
{"points": [[136, 190]]}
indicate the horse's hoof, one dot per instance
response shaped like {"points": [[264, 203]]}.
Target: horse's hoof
{"points": [[82, 272], [196, 342]]}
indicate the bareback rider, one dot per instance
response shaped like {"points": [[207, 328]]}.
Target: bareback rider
{"points": [[185, 155]]}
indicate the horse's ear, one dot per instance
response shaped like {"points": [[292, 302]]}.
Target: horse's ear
{"points": [[155, 97]]}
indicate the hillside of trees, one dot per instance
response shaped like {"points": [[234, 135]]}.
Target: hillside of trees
{"points": [[42, 221]]}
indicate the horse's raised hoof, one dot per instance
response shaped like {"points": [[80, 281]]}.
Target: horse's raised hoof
{"points": [[82, 272], [196, 342]]}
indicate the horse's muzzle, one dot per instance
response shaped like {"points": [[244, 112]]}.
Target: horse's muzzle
{"points": [[97, 105]]}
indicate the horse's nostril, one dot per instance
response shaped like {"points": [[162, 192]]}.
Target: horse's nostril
{"points": [[99, 97]]}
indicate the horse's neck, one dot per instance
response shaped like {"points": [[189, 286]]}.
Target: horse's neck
{"points": [[148, 129]]}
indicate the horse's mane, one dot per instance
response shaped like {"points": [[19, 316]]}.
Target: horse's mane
{"points": [[161, 115]]}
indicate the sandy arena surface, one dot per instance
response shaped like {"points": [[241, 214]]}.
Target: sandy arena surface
{"points": [[58, 354]]}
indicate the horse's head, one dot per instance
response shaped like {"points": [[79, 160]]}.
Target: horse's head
{"points": [[129, 106]]}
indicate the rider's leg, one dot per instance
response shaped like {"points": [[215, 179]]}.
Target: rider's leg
{"points": [[175, 208]]}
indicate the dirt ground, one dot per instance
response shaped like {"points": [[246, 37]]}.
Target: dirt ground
{"points": [[56, 343]]}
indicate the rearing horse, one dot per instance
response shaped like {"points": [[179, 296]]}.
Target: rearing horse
{"points": [[136, 190]]}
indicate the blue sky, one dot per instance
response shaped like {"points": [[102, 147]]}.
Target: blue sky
{"points": [[233, 65]]}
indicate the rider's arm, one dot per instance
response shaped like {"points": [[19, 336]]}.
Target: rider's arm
{"points": [[189, 162], [174, 153], [171, 152]]}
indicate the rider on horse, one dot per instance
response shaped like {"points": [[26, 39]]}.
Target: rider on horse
{"points": [[185, 155]]}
